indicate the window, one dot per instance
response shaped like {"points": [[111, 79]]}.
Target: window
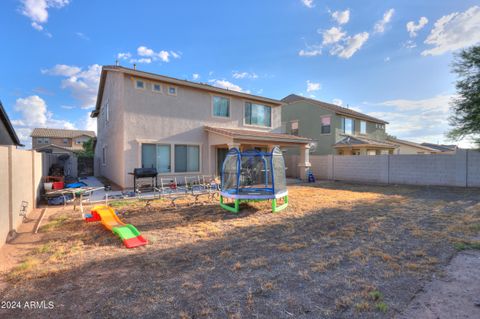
{"points": [[43, 140], [104, 155], [79, 142], [139, 84], [172, 90], [65, 141], [294, 127], [107, 111], [258, 114], [221, 106], [326, 124], [156, 156], [363, 127], [348, 125], [187, 158], [156, 88]]}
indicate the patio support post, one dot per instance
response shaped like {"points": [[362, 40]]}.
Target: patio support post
{"points": [[234, 145], [304, 163]]}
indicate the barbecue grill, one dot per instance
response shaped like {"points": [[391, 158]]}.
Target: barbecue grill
{"points": [[144, 178]]}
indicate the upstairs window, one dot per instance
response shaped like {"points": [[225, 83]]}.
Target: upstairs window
{"points": [[294, 127], [65, 141], [221, 106], [156, 88], [139, 84], [172, 90], [258, 114], [348, 125], [363, 127], [326, 124], [43, 140]]}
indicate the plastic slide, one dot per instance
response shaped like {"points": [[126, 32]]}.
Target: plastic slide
{"points": [[128, 233]]}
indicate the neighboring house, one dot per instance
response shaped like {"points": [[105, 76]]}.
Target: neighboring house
{"points": [[442, 148], [7, 133], [335, 130], [407, 147], [179, 127], [57, 141]]}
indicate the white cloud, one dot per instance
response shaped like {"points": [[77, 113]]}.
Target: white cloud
{"points": [[313, 86], [244, 75], [380, 25], [310, 52], [224, 84], [410, 44], [387, 59], [124, 55], [422, 120], [454, 31], [195, 76], [332, 35], [83, 83], [341, 17], [308, 3], [37, 11], [350, 45], [141, 60], [82, 36], [162, 55], [33, 113], [413, 28], [337, 102]]}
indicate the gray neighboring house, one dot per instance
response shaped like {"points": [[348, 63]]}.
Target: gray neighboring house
{"points": [[179, 127], [8, 136], [334, 129]]}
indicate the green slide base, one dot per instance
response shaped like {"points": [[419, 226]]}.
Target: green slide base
{"points": [[276, 208], [126, 232]]}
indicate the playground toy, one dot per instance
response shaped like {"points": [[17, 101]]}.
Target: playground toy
{"points": [[128, 233], [253, 176]]}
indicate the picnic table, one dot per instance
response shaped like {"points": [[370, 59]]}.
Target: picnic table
{"points": [[77, 193]]}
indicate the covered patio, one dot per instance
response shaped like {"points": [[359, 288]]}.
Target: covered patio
{"points": [[220, 140], [359, 145]]}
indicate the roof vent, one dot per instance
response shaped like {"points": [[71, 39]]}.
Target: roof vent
{"points": [[134, 66]]}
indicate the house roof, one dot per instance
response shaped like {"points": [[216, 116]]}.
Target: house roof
{"points": [[441, 147], [257, 135], [8, 125], [49, 146], [293, 98], [60, 133], [175, 81], [412, 144], [358, 141]]}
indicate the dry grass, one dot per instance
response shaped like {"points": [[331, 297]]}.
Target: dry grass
{"points": [[328, 255]]}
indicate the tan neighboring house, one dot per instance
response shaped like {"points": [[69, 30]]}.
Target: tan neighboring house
{"points": [[408, 148], [442, 148], [179, 127], [58, 141]]}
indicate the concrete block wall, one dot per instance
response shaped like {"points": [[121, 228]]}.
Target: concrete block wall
{"points": [[361, 168], [473, 169], [460, 169], [21, 174]]}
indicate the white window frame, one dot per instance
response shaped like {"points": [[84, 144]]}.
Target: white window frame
{"points": [[136, 84], [255, 125], [361, 122], [292, 129], [107, 111], [344, 126], [321, 124], [229, 107], [176, 90], [153, 87]]}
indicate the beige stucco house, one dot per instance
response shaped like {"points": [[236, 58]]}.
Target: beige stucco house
{"points": [[179, 127], [59, 141], [408, 148]]}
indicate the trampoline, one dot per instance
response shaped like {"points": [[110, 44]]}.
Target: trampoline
{"points": [[253, 176]]}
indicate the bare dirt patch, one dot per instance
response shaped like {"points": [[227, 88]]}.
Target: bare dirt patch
{"points": [[338, 251]]}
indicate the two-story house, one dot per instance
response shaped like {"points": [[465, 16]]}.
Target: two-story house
{"points": [[334, 129], [8, 136], [59, 140], [179, 127]]}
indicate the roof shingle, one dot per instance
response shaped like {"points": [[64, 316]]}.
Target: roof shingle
{"points": [[60, 133]]}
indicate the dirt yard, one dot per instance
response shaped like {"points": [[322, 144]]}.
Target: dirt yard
{"points": [[338, 251]]}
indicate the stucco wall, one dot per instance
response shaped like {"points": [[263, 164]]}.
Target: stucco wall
{"points": [[152, 117], [21, 173], [428, 169]]}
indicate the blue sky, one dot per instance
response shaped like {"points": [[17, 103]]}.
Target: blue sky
{"points": [[389, 59]]}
